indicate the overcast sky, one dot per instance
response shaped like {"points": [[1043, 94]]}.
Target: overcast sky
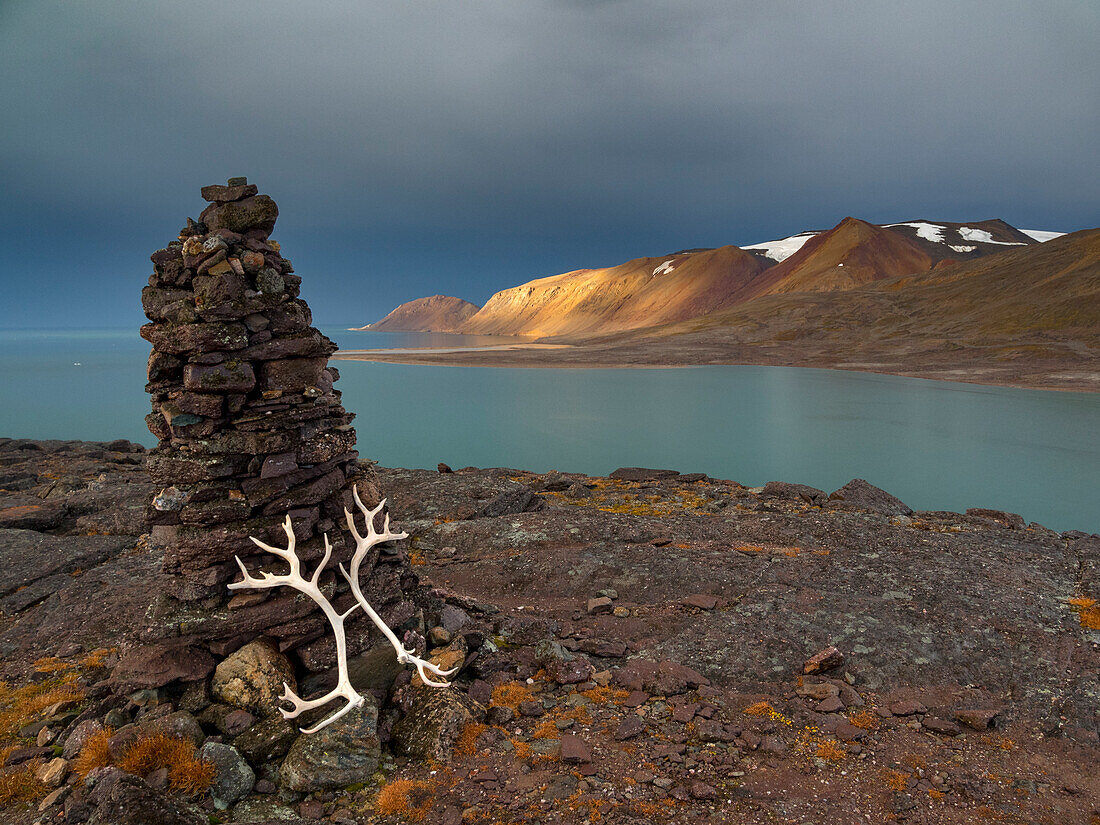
{"points": [[463, 147]]}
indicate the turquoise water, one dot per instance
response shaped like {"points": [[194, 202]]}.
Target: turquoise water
{"points": [[935, 445]]}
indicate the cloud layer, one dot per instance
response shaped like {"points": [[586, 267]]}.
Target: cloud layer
{"points": [[420, 146]]}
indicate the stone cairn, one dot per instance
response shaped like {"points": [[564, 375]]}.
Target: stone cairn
{"points": [[250, 430]]}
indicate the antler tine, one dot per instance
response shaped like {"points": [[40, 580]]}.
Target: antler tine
{"points": [[328, 554], [311, 588]]}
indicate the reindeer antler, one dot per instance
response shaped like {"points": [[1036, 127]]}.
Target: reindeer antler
{"points": [[294, 579], [362, 545]]}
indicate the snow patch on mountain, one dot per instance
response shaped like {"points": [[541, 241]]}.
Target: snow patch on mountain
{"points": [[783, 248], [1042, 235], [981, 236], [929, 231]]}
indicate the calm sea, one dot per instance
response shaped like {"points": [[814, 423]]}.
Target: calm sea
{"points": [[935, 445]]}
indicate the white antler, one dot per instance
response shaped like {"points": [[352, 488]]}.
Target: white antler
{"points": [[294, 579], [362, 545]]}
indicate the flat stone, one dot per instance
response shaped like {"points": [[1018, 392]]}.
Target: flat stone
{"points": [[824, 660], [642, 474], [907, 707], [977, 718], [703, 601], [574, 750], [598, 606], [230, 376], [216, 193]]}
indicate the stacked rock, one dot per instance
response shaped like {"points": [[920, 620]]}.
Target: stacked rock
{"points": [[249, 424]]}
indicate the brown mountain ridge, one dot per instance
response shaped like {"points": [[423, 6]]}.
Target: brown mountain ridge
{"points": [[436, 313], [651, 291], [1028, 315]]}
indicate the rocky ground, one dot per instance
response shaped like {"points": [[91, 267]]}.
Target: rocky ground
{"points": [[649, 647]]}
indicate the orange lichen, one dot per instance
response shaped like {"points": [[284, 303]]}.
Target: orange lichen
{"points": [[509, 695], [546, 729], [830, 750], [467, 740], [407, 798], [94, 754], [764, 708], [1088, 611], [863, 719], [896, 780]]}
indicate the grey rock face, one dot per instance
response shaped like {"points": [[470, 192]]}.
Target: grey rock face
{"points": [[340, 754], [233, 779]]}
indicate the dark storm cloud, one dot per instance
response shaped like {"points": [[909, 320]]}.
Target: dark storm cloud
{"points": [[547, 132]]}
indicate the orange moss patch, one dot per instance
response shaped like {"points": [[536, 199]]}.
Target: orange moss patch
{"points": [[863, 719], [896, 780], [830, 750], [467, 740], [509, 695], [763, 708], [1088, 611], [97, 657], [94, 754], [407, 798], [604, 694], [546, 729], [150, 753], [19, 784], [51, 664], [789, 552], [19, 706]]}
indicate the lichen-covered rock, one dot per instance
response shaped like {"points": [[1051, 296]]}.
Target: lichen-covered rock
{"points": [[433, 724], [862, 495], [256, 212], [267, 740], [340, 754], [233, 778], [117, 798], [253, 677]]}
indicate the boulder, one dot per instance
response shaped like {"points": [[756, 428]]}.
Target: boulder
{"points": [[342, 753], [117, 798], [267, 740], [433, 724], [794, 492], [252, 678], [255, 212], [233, 778], [861, 495], [663, 678]]}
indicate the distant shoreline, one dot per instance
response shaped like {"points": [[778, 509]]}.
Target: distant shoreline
{"points": [[1043, 376]]}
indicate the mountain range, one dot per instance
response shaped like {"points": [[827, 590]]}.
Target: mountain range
{"points": [[981, 302], [651, 291]]}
